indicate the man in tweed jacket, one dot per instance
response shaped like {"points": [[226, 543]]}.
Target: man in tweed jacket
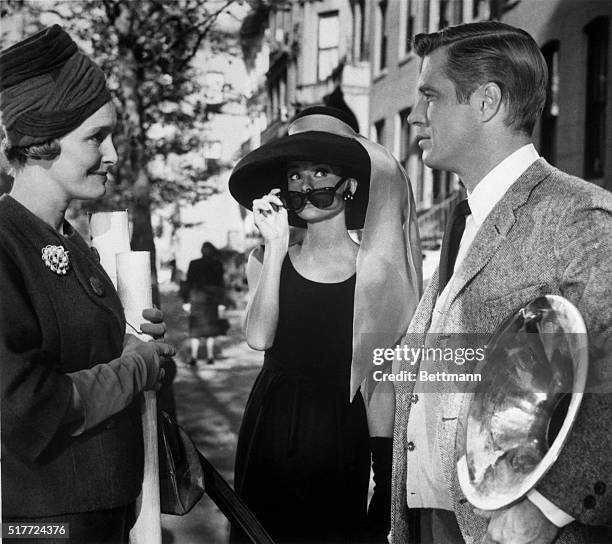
{"points": [[533, 230]]}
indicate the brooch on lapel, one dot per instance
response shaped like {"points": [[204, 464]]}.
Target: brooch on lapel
{"points": [[56, 258]]}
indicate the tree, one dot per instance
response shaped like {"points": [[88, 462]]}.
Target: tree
{"points": [[147, 49]]}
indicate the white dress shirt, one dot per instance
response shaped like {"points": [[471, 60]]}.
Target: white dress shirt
{"points": [[424, 483]]}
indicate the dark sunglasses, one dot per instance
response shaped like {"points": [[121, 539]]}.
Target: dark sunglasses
{"points": [[295, 201]]}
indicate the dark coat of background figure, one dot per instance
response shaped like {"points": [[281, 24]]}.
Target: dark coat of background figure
{"points": [[204, 290]]}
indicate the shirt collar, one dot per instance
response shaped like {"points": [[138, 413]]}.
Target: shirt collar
{"points": [[494, 185]]}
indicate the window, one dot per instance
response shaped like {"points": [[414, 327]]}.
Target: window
{"points": [[451, 13], [379, 132], [277, 97], [359, 50], [442, 185], [444, 14], [328, 41], [457, 12], [382, 35], [425, 16], [404, 141], [410, 158], [597, 32], [550, 115], [407, 19], [282, 96]]}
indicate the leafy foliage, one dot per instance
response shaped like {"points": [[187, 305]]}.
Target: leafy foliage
{"points": [[147, 50]]}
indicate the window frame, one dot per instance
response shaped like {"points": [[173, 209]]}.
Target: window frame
{"points": [[321, 16], [597, 33]]}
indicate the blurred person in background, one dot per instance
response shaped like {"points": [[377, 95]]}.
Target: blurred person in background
{"points": [[70, 377], [319, 302], [204, 291]]}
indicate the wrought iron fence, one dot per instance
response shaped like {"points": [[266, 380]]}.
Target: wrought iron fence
{"points": [[433, 221]]}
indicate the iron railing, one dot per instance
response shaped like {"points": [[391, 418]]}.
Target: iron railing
{"points": [[433, 221]]}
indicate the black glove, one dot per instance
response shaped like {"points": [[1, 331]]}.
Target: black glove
{"points": [[379, 509]]}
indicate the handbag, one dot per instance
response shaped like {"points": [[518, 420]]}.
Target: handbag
{"points": [[185, 474], [181, 477]]}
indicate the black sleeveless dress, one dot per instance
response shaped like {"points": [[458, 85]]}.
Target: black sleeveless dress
{"points": [[303, 460]]}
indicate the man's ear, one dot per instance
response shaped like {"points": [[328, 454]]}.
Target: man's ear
{"points": [[488, 99]]}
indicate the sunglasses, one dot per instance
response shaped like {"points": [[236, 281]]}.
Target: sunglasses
{"points": [[294, 201]]}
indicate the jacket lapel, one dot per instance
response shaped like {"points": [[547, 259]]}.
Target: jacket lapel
{"points": [[496, 226]]}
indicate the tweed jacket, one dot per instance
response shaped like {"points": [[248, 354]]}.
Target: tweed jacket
{"points": [[50, 325], [551, 233]]}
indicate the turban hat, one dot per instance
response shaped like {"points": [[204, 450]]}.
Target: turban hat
{"points": [[47, 88]]}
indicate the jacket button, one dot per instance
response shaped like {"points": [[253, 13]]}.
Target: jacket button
{"points": [[97, 285], [414, 399], [410, 446], [589, 502], [600, 488]]}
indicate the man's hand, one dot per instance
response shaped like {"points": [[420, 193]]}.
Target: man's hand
{"points": [[522, 523]]}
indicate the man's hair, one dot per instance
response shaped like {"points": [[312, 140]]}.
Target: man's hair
{"points": [[477, 53]]}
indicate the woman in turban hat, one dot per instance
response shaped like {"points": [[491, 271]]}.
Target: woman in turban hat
{"points": [[72, 448], [319, 307]]}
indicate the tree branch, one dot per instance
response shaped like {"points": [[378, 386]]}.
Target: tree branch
{"points": [[202, 33]]}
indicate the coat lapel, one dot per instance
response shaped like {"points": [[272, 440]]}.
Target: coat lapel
{"points": [[496, 226]]}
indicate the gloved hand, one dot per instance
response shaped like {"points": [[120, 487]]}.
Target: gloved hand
{"points": [[147, 355], [107, 388], [379, 509], [156, 328]]}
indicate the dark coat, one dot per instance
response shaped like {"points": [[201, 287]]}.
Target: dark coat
{"points": [[50, 325], [205, 291], [204, 273]]}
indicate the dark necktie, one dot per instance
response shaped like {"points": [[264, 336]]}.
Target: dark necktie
{"points": [[450, 243]]}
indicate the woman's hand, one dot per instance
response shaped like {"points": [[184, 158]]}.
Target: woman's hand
{"points": [[108, 388], [151, 355], [264, 270], [271, 219], [155, 328]]}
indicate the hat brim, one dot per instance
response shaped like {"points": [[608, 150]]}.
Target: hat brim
{"points": [[265, 168]]}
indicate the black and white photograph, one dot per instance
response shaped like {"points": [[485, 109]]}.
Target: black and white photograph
{"points": [[306, 271]]}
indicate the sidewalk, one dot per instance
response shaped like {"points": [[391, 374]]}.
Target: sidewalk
{"points": [[210, 400]]}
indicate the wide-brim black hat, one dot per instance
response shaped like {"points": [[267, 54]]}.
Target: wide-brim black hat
{"points": [[265, 168]]}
